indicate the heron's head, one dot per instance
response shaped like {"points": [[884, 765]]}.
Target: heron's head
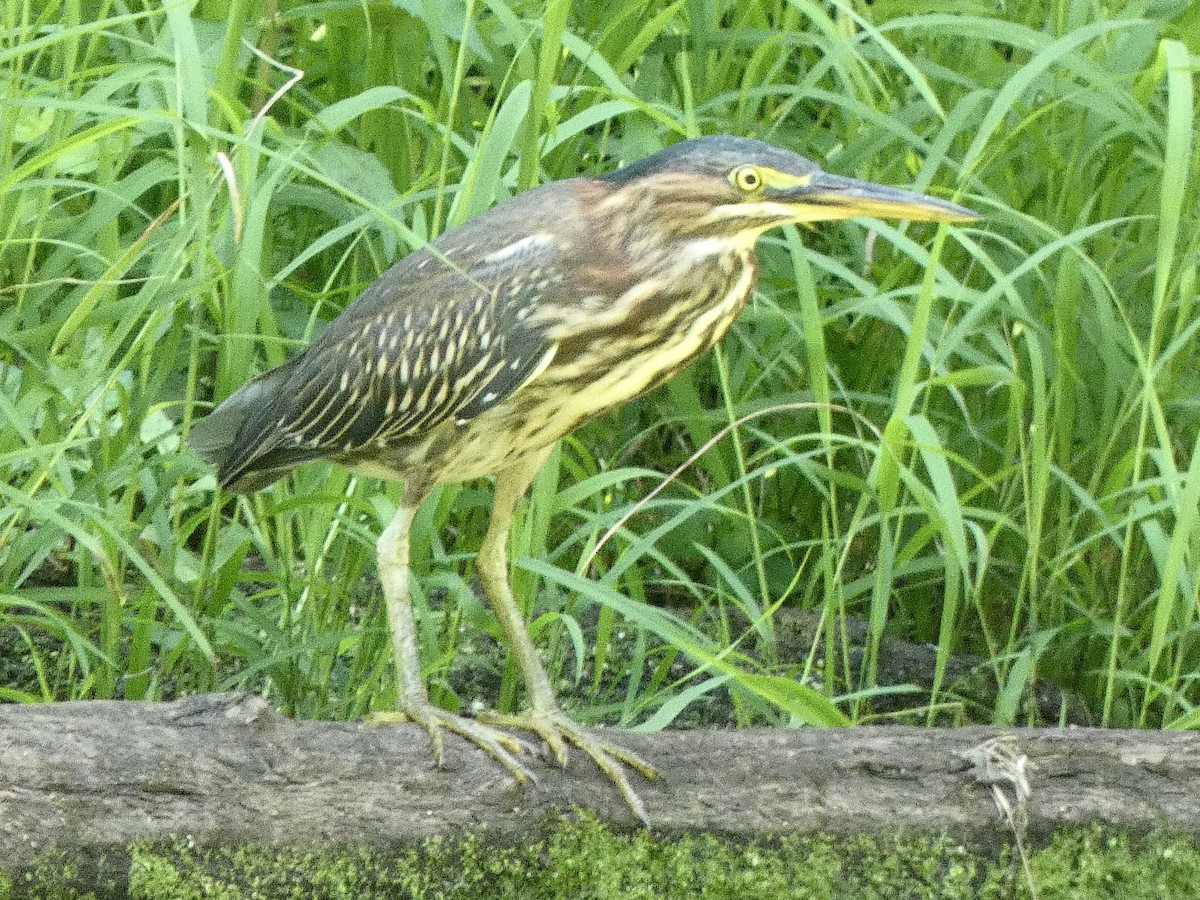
{"points": [[729, 187]]}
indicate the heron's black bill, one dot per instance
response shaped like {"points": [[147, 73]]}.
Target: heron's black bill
{"points": [[825, 196]]}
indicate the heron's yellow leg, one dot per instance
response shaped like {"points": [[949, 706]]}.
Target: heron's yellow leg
{"points": [[413, 704], [545, 718]]}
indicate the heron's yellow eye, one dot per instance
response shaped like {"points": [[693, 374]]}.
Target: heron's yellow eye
{"points": [[746, 178]]}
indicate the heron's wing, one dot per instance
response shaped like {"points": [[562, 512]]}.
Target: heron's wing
{"points": [[397, 362]]}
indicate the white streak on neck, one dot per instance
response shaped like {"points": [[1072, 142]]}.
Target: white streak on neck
{"points": [[704, 249]]}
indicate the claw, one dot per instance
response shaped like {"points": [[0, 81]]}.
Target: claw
{"points": [[501, 746], [558, 730]]}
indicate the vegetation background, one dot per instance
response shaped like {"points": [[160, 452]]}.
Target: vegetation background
{"points": [[982, 437]]}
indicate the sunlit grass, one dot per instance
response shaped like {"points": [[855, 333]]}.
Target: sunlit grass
{"points": [[982, 437]]}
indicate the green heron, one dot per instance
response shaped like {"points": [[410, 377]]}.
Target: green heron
{"points": [[474, 355]]}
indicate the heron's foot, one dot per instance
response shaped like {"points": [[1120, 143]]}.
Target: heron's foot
{"points": [[558, 730], [501, 746]]}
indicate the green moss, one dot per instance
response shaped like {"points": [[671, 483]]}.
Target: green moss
{"points": [[1097, 863], [583, 860], [586, 860], [53, 877]]}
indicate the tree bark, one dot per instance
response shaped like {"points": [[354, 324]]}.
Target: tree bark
{"points": [[226, 769]]}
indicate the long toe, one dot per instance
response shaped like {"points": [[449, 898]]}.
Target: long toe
{"points": [[500, 745], [558, 730]]}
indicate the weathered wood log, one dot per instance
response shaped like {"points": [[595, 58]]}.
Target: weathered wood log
{"points": [[225, 769]]}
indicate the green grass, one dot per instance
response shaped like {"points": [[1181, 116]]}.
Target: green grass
{"points": [[983, 437]]}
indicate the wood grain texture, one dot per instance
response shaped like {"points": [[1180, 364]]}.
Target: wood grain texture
{"points": [[226, 769]]}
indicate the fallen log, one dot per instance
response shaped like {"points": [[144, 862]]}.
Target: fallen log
{"points": [[225, 769]]}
